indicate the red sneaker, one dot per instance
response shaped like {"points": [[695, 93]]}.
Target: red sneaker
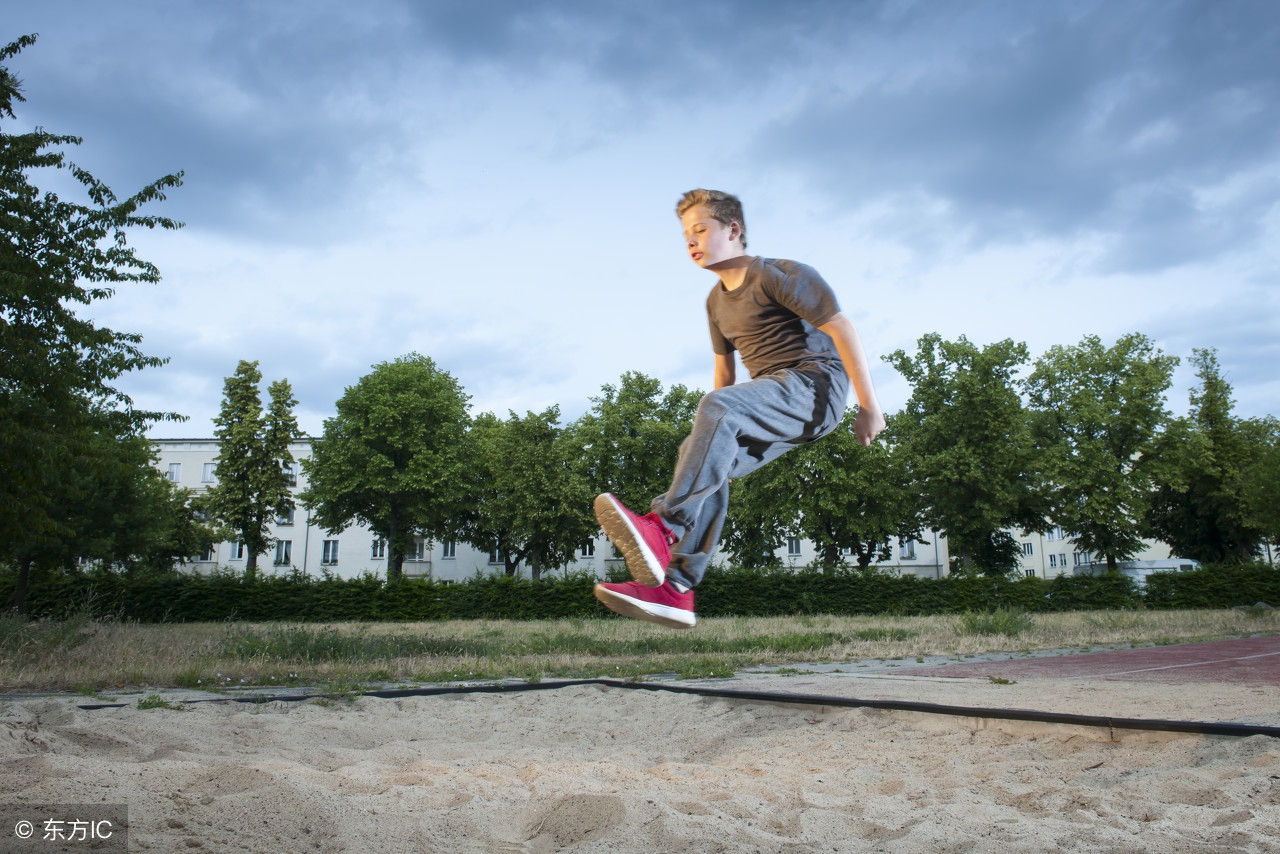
{"points": [[663, 605], [644, 541]]}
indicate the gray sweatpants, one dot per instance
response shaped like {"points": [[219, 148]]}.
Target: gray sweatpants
{"points": [[737, 429]]}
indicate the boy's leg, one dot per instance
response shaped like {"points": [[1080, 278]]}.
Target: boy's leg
{"points": [[738, 429]]}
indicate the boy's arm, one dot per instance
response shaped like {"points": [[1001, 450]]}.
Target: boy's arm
{"points": [[870, 419], [726, 371]]}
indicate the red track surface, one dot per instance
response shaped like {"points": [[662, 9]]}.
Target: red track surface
{"points": [[1248, 661]]}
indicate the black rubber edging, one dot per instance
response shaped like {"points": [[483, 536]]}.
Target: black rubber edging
{"points": [[1102, 721]]}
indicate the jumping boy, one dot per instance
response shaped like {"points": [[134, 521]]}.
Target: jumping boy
{"points": [[802, 354]]}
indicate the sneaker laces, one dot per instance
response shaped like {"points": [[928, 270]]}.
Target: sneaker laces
{"points": [[662, 526]]}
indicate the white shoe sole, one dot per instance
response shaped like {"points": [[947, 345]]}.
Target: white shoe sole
{"points": [[663, 615], [642, 563]]}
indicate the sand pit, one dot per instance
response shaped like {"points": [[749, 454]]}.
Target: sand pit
{"points": [[597, 769]]}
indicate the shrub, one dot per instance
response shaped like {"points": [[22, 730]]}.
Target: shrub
{"points": [[725, 591]]}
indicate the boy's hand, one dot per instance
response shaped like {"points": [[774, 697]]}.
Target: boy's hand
{"points": [[867, 424], [870, 419]]}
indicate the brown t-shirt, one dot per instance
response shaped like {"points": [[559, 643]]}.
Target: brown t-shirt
{"points": [[771, 318]]}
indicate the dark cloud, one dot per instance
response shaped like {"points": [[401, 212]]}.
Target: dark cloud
{"points": [[274, 110], [252, 102], [1114, 120], [712, 48]]}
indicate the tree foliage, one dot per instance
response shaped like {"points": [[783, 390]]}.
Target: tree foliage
{"points": [[529, 500], [967, 446], [1262, 480], [1097, 413], [630, 438], [128, 515], [1201, 506], [58, 368], [117, 509], [393, 457], [835, 492], [254, 464]]}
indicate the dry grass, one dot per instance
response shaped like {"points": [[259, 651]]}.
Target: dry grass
{"points": [[90, 656]]}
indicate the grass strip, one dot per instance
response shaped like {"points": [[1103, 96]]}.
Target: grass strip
{"points": [[90, 655]]}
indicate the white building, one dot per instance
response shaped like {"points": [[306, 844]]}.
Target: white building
{"points": [[354, 551], [927, 559], [1054, 553], [302, 545]]}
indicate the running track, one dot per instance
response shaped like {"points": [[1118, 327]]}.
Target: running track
{"points": [[1245, 661]]}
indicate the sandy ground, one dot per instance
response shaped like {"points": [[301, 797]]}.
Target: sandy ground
{"points": [[589, 768]]}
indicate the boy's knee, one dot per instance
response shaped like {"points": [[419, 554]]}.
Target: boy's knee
{"points": [[713, 404]]}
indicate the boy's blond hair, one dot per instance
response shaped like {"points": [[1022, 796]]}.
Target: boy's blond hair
{"points": [[725, 208]]}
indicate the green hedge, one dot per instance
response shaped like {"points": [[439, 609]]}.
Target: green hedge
{"points": [[724, 592], [220, 597], [1215, 587]]}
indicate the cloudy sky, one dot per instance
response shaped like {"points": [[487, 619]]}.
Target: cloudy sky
{"points": [[492, 183]]}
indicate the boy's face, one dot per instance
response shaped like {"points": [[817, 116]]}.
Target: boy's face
{"points": [[708, 240]]}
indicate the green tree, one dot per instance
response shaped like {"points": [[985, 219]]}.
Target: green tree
{"points": [[1097, 413], [128, 515], [117, 510], [630, 438], [1262, 480], [254, 464], [58, 366], [835, 492], [529, 499], [394, 457], [1201, 506], [967, 447]]}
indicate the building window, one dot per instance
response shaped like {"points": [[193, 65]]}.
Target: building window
{"points": [[417, 551], [588, 549], [1082, 558], [329, 556], [793, 546], [237, 552], [1030, 573], [175, 472], [450, 549], [291, 474], [206, 556], [285, 518], [494, 557], [284, 552], [907, 549], [1062, 561], [206, 473], [1027, 549], [378, 550]]}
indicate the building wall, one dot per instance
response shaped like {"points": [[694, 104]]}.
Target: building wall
{"points": [[1054, 553], [926, 559], [356, 549], [189, 463], [1045, 555]]}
